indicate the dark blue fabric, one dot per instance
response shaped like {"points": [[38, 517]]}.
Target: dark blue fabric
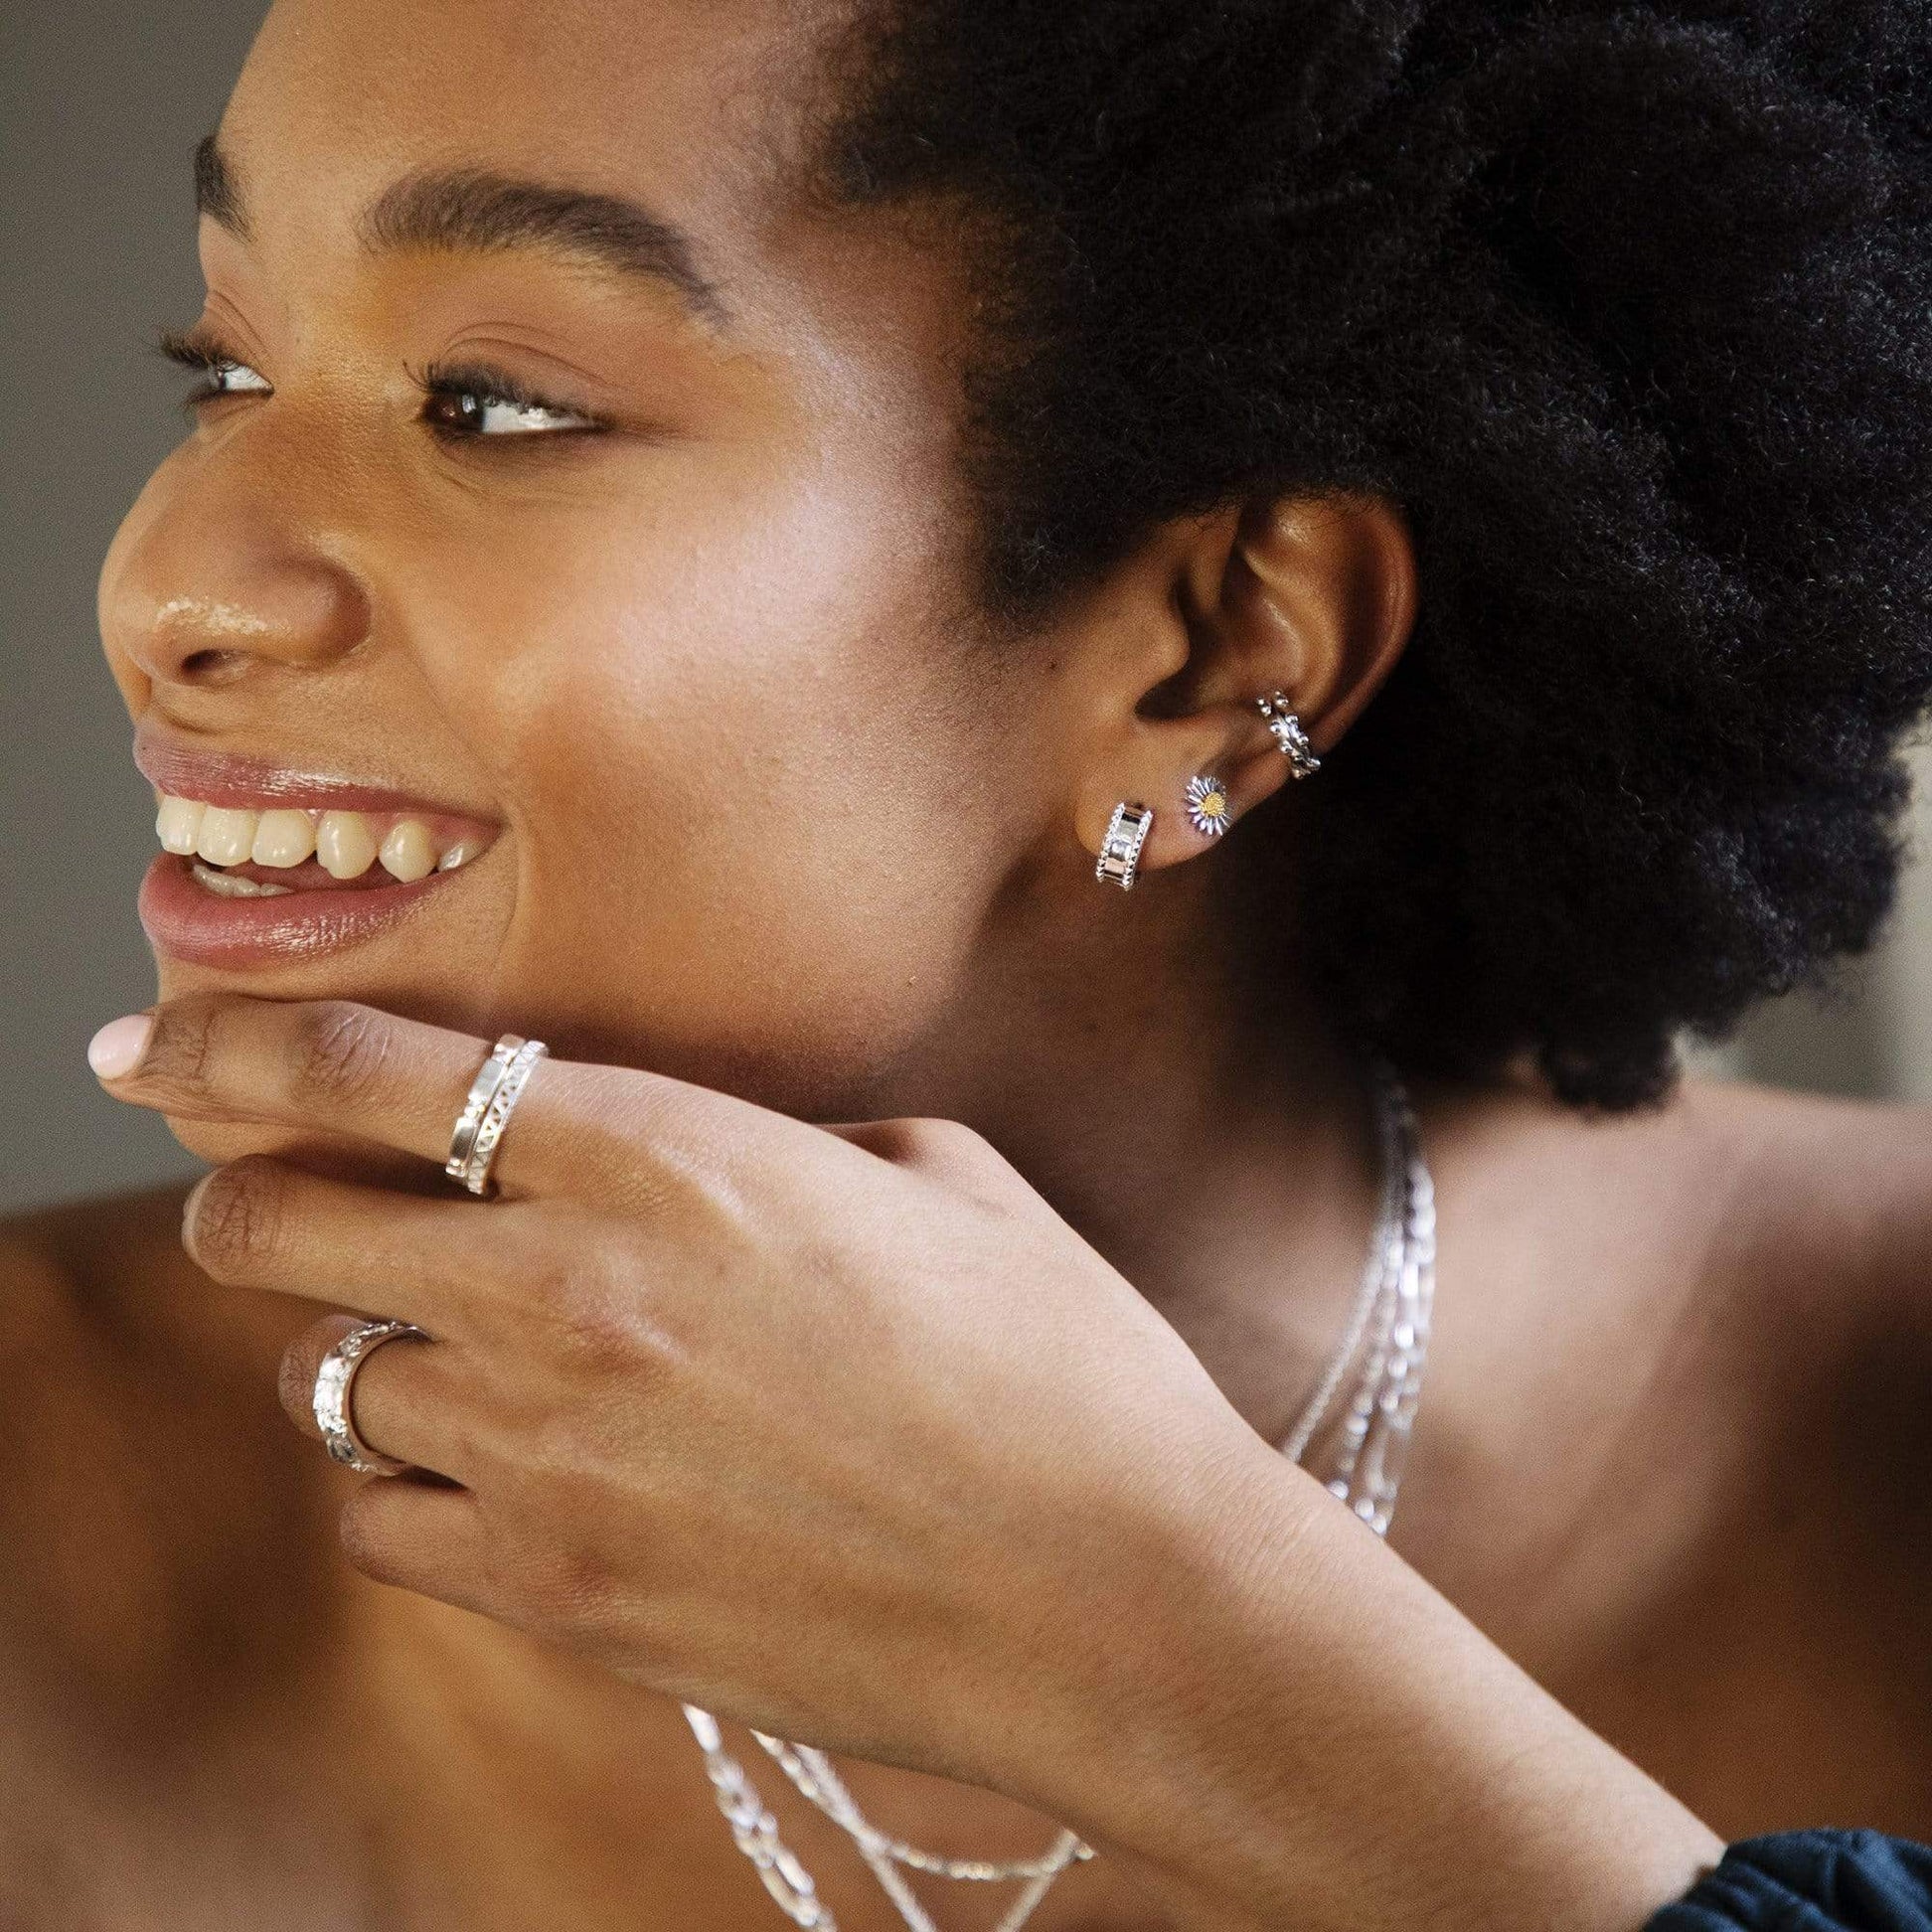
{"points": [[1810, 1881]]}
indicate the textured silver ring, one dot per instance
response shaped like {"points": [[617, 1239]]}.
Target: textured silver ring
{"points": [[334, 1397], [494, 1092]]}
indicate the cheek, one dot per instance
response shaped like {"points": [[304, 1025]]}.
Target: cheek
{"points": [[748, 782]]}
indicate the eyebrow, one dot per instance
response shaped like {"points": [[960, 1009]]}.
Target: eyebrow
{"points": [[216, 194], [472, 209]]}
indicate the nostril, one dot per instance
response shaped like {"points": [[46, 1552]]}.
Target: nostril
{"points": [[210, 667]]}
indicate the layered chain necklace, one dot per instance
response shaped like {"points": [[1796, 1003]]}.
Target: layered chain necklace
{"points": [[1363, 1443]]}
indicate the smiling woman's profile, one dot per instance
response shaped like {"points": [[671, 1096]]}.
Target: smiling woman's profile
{"points": [[714, 539]]}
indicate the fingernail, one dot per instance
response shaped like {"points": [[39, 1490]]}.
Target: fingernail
{"points": [[113, 1050], [188, 1208], [192, 1201]]}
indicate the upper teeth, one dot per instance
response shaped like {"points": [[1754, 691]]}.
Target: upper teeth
{"points": [[346, 844]]}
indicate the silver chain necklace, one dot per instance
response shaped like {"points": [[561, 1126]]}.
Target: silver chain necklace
{"points": [[1387, 1333]]}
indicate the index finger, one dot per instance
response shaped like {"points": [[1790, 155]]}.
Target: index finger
{"points": [[335, 1067], [321, 1067]]}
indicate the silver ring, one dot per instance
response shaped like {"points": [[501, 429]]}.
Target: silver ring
{"points": [[498, 1082], [334, 1397]]}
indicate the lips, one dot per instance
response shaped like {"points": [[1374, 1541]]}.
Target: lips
{"points": [[188, 922], [229, 780], [291, 864]]}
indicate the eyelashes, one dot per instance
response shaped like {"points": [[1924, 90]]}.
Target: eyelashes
{"points": [[461, 402], [473, 399], [220, 372]]}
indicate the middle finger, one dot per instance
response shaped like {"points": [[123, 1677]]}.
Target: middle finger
{"points": [[259, 1223]]}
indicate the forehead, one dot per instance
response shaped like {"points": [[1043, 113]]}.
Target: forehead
{"points": [[693, 103]]}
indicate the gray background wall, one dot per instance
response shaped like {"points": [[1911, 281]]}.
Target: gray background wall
{"points": [[100, 104]]}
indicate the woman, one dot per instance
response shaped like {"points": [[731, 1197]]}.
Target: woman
{"points": [[706, 531]]}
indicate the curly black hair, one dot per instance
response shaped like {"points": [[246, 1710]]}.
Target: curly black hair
{"points": [[1629, 307]]}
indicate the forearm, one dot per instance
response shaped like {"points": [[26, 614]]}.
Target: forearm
{"points": [[1291, 1728]]}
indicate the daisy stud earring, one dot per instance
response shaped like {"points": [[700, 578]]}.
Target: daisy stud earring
{"points": [[1207, 809]]}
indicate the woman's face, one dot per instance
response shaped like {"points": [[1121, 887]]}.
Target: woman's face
{"points": [[614, 541]]}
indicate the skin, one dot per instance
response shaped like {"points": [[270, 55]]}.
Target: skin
{"points": [[794, 872]]}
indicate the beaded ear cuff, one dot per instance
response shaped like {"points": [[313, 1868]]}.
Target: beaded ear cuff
{"points": [[1288, 733]]}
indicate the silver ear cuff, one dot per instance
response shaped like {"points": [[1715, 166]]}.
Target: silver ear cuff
{"points": [[1120, 850], [1288, 733]]}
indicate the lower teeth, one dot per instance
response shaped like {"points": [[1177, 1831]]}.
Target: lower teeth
{"points": [[227, 886]]}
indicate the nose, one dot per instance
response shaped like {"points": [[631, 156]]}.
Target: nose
{"points": [[205, 585]]}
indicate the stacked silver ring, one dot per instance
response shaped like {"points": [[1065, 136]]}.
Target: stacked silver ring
{"points": [[334, 1399], [486, 1110]]}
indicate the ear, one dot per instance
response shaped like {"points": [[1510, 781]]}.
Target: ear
{"points": [[1312, 595]]}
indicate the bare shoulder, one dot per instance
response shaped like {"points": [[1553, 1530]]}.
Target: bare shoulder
{"points": [[1832, 1202], [1828, 1238], [152, 1497], [162, 1528], [1756, 1555]]}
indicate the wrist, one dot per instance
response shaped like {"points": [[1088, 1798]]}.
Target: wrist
{"points": [[1274, 1720]]}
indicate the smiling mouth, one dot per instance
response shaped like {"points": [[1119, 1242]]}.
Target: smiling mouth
{"points": [[260, 866], [234, 851]]}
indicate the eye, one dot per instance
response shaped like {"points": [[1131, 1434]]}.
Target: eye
{"points": [[236, 379], [220, 372], [486, 402]]}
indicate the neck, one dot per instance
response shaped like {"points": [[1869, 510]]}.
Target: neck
{"points": [[1199, 1126]]}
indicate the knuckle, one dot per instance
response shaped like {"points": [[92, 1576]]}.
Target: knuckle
{"points": [[341, 1054], [575, 1587], [577, 1281], [946, 1150], [599, 1323], [570, 1593], [240, 1220], [180, 1056]]}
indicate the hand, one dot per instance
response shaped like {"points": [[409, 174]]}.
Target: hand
{"points": [[840, 1431]]}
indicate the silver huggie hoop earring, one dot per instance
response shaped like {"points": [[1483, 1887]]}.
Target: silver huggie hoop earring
{"points": [[1288, 733], [1208, 804], [1120, 850]]}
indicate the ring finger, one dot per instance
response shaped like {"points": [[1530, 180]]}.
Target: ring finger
{"points": [[407, 1397]]}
